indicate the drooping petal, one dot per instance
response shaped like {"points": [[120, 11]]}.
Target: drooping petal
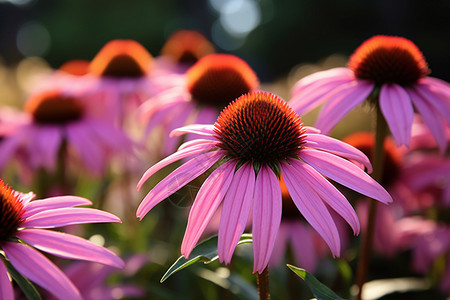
{"points": [[177, 179], [195, 142], [440, 101], [206, 203], [431, 117], [201, 129], [69, 246], [6, 290], [37, 206], [342, 103], [345, 173], [174, 157], [327, 192], [266, 217], [335, 74], [235, 211], [10, 144], [398, 111], [68, 216], [311, 207], [337, 147], [47, 144], [39, 269], [437, 84], [179, 118], [303, 246]]}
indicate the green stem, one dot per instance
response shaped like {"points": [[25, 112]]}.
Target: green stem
{"points": [[378, 157], [263, 284]]}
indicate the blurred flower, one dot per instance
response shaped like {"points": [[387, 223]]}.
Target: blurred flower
{"points": [[23, 225], [206, 88], [182, 49], [57, 118], [392, 73], [255, 138]]}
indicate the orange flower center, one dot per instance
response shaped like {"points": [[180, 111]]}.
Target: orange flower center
{"points": [[54, 108], [11, 211], [121, 59], [389, 59], [365, 142], [218, 79], [187, 46], [259, 127]]}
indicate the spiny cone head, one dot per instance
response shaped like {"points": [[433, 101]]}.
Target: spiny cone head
{"points": [[121, 59], [259, 127], [53, 107], [187, 47], [11, 211], [389, 59], [365, 141], [77, 67], [218, 79]]}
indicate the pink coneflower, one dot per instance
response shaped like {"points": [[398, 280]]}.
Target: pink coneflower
{"points": [[23, 227], [393, 72], [206, 88], [56, 118], [255, 138], [182, 49]]}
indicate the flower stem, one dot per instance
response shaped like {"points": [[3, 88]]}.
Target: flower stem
{"points": [[263, 284], [378, 156]]}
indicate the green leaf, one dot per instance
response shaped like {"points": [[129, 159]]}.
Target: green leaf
{"points": [[205, 252], [319, 290], [25, 285]]}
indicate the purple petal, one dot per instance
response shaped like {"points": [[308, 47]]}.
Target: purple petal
{"points": [[311, 207], [10, 144], [345, 173], [206, 203], [266, 217], [431, 117], [398, 111], [201, 129], [47, 144], [68, 216], [236, 210], [69, 246], [281, 242], [337, 147], [37, 206], [174, 157], [195, 143], [440, 102], [327, 192], [6, 290], [179, 119], [39, 269], [342, 103], [335, 74], [303, 246], [177, 179]]}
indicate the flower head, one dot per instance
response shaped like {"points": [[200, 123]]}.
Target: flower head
{"points": [[24, 228], [207, 87], [393, 72], [246, 177]]}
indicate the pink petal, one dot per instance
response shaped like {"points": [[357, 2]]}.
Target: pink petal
{"points": [[335, 74], [311, 207], [206, 203], [398, 111], [236, 210], [342, 103], [195, 143], [309, 129], [69, 246], [179, 119], [337, 147], [440, 102], [431, 117], [177, 179], [47, 144], [327, 192], [201, 129], [37, 206], [443, 87], [345, 173], [39, 269], [6, 290], [303, 246], [161, 116], [281, 242], [68, 216], [164, 102], [174, 157], [266, 217], [10, 145]]}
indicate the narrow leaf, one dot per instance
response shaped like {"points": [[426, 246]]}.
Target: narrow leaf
{"points": [[25, 285], [319, 290], [205, 252]]}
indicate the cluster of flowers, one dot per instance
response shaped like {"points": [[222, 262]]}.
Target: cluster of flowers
{"points": [[127, 108]]}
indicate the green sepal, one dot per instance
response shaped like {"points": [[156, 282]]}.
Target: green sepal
{"points": [[319, 290], [205, 252]]}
